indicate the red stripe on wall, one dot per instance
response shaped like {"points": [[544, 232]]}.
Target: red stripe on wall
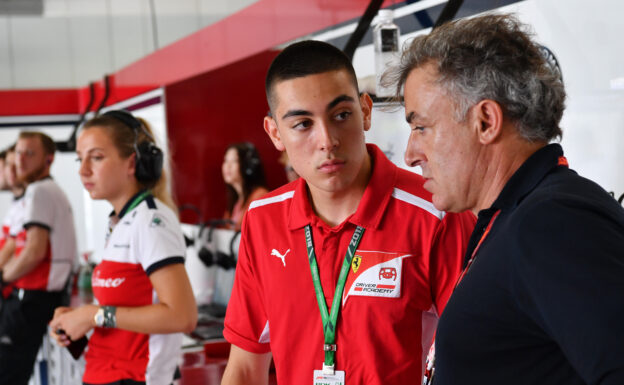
{"points": [[39, 102]]}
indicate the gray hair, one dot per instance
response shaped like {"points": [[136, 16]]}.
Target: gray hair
{"points": [[490, 57]]}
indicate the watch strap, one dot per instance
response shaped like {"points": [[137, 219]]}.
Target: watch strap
{"points": [[110, 319]]}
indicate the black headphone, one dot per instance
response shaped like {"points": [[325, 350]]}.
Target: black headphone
{"points": [[252, 159], [219, 258], [149, 158]]}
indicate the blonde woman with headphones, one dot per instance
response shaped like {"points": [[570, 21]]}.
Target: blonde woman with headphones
{"points": [[144, 295]]}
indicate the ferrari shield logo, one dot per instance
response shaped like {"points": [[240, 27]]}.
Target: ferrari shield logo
{"points": [[355, 263]]}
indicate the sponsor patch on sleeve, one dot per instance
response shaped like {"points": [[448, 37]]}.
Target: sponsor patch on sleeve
{"points": [[375, 274], [157, 220]]}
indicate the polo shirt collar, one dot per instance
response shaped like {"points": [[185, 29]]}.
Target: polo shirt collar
{"points": [[372, 205], [126, 207], [528, 176]]}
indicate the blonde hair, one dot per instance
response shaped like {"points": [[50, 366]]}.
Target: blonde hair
{"points": [[124, 138]]}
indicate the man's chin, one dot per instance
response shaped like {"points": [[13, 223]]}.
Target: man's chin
{"points": [[439, 203], [29, 178]]}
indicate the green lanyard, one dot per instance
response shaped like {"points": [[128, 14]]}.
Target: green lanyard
{"points": [[329, 320], [134, 204], [137, 200]]}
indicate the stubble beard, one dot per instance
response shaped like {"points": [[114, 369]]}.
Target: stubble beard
{"points": [[32, 176]]}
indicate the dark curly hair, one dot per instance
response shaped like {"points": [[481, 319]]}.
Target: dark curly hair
{"points": [[251, 171]]}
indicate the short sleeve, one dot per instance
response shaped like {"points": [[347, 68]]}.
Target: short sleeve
{"points": [[14, 217], [159, 240], [38, 210], [246, 323], [447, 255], [569, 278]]}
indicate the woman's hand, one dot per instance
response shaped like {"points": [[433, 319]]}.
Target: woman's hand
{"points": [[74, 323]]}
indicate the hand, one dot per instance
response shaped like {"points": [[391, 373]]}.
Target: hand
{"points": [[75, 323], [57, 333]]}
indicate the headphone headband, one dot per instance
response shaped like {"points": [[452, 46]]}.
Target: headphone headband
{"points": [[129, 120], [125, 117]]}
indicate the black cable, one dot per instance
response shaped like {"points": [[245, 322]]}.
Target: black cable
{"points": [[365, 21], [448, 12], [70, 144], [106, 94]]}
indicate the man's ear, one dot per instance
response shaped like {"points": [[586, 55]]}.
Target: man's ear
{"points": [[487, 117], [366, 103], [270, 127]]}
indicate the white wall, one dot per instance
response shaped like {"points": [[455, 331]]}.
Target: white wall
{"points": [[586, 37], [75, 42]]}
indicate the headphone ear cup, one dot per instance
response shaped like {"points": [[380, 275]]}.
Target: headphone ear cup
{"points": [[206, 256], [252, 160], [249, 170], [223, 260], [149, 162]]}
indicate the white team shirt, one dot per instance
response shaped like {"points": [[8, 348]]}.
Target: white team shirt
{"points": [[44, 204], [144, 239]]}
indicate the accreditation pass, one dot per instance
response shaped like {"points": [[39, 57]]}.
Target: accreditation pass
{"points": [[338, 378]]}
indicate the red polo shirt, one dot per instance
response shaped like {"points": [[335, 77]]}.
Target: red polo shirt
{"points": [[403, 273]]}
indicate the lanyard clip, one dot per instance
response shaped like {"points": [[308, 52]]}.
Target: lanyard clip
{"points": [[328, 369], [329, 347]]}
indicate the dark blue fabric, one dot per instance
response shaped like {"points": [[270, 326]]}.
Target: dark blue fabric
{"points": [[543, 302]]}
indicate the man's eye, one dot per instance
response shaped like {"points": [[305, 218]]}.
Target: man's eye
{"points": [[343, 115], [418, 128], [302, 125]]}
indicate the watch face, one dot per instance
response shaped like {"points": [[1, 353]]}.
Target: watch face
{"points": [[99, 317]]}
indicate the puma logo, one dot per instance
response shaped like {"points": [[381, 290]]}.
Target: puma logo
{"points": [[280, 256]]}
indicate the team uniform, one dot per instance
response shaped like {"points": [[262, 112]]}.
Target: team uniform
{"points": [[11, 221], [46, 205], [543, 300], [25, 314], [399, 281], [145, 238]]}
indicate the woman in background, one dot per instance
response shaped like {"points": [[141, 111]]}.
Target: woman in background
{"points": [[244, 178], [144, 295]]}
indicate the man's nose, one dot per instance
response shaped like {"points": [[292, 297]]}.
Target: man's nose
{"points": [[413, 153], [326, 136]]}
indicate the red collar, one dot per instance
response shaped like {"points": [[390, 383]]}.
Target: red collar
{"points": [[371, 207]]}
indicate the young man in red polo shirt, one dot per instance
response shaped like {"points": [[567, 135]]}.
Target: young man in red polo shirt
{"points": [[342, 274]]}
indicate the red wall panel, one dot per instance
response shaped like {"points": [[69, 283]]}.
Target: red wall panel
{"points": [[207, 113], [254, 29]]}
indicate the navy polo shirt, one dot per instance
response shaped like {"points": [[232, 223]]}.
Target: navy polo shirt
{"points": [[543, 301]]}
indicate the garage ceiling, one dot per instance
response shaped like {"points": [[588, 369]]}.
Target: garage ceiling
{"points": [[69, 43]]}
